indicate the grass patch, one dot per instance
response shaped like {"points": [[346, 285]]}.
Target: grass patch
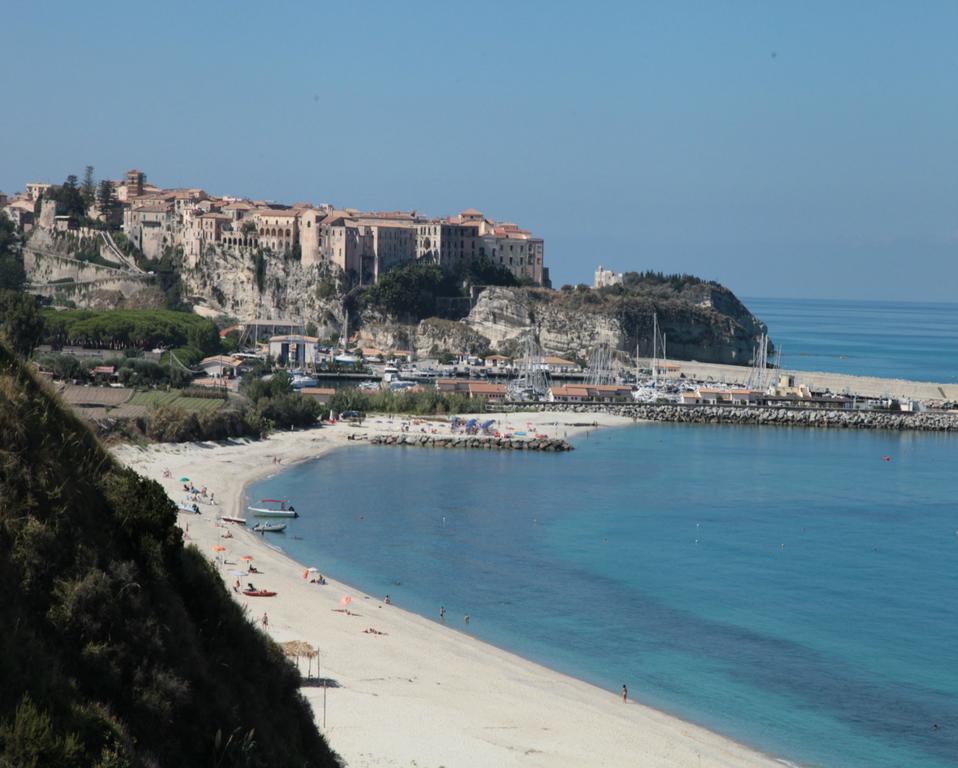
{"points": [[176, 400]]}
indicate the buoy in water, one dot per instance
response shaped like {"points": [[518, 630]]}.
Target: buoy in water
{"points": [[886, 458]]}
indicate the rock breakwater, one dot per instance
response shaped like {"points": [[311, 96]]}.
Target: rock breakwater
{"points": [[467, 441], [836, 419]]}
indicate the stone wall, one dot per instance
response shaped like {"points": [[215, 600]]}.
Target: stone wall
{"points": [[927, 421], [467, 441]]}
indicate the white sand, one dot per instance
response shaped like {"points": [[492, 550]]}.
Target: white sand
{"points": [[422, 694]]}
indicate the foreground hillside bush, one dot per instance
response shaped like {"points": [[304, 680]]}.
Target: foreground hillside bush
{"points": [[120, 646]]}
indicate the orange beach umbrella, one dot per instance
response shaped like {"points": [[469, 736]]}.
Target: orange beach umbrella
{"points": [[219, 548], [246, 557]]}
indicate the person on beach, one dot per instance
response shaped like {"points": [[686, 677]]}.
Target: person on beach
{"points": [[386, 600], [265, 621], [625, 693], [442, 613], [236, 586]]}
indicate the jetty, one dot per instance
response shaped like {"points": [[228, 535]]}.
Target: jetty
{"points": [[474, 442], [923, 421]]}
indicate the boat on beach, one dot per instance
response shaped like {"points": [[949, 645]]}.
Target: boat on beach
{"points": [[269, 527], [237, 520], [259, 593], [273, 508]]}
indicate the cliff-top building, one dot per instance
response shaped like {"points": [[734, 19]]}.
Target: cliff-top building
{"points": [[362, 245], [606, 277]]}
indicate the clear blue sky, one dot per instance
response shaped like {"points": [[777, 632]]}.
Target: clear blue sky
{"points": [[785, 149]]}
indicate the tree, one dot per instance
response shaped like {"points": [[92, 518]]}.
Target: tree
{"points": [[12, 274], [88, 188], [21, 324], [105, 199], [68, 197], [311, 329]]}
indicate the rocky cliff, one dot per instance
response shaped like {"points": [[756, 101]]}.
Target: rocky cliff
{"points": [[701, 320], [253, 284], [706, 322]]}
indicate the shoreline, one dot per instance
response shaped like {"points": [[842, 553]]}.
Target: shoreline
{"points": [[424, 691]]}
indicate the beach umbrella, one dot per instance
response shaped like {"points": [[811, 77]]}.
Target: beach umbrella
{"points": [[309, 571], [297, 649], [345, 600], [246, 557], [239, 573], [219, 548], [184, 479]]}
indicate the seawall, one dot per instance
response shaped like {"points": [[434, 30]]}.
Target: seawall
{"points": [[811, 417], [467, 441]]}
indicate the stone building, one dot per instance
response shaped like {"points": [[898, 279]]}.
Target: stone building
{"points": [[310, 224], [20, 212], [149, 225], [278, 229], [447, 242], [134, 183], [606, 277], [36, 188]]}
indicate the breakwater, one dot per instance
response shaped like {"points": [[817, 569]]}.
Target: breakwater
{"points": [[467, 441], [927, 421]]}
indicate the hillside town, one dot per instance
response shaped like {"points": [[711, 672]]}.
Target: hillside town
{"points": [[363, 245]]}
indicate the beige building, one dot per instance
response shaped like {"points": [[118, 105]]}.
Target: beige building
{"points": [[149, 225], [606, 277], [36, 188], [310, 224], [20, 212], [470, 237], [278, 229]]}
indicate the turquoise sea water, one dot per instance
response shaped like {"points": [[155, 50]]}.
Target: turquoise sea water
{"points": [[788, 588], [889, 339]]}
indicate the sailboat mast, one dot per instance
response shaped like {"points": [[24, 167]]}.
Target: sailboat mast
{"points": [[655, 349]]}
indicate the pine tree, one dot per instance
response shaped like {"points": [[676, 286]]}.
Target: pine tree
{"points": [[88, 188], [105, 199]]}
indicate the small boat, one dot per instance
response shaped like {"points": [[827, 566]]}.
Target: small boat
{"points": [[188, 507], [259, 593], [238, 520], [279, 508], [269, 527]]}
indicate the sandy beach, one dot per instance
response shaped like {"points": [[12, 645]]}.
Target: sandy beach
{"points": [[420, 692]]}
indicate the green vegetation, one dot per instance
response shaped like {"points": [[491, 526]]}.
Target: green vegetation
{"points": [[131, 328], [88, 249], [276, 404], [176, 423], [21, 321], [411, 291], [21, 324], [68, 197], [132, 371], [177, 400], [12, 274], [121, 646], [88, 187], [415, 403], [106, 202], [259, 269]]}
